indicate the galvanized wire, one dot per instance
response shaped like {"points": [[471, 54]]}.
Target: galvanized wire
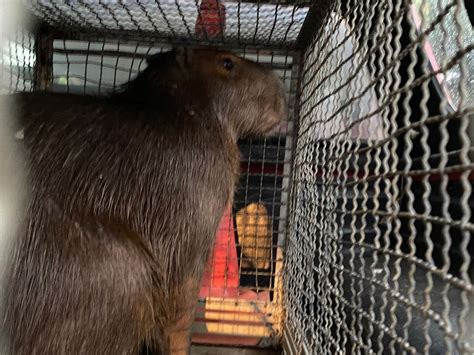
{"points": [[379, 245], [246, 22], [16, 63]]}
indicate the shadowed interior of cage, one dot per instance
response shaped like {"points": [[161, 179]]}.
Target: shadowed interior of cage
{"points": [[379, 249], [237, 301]]}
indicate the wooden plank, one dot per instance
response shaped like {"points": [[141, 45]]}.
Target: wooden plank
{"points": [[240, 329], [214, 350], [226, 340], [235, 316], [235, 305], [234, 322]]}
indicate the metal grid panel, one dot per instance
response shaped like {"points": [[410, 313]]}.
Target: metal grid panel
{"points": [[379, 251], [16, 63], [228, 22]]}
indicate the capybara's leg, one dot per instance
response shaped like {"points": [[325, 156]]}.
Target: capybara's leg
{"points": [[86, 290], [174, 316], [180, 331]]}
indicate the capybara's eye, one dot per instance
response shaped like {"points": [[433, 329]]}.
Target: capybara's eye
{"points": [[228, 64]]}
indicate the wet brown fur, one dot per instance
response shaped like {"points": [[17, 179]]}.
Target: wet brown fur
{"points": [[128, 192]]}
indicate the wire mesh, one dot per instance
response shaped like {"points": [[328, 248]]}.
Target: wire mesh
{"points": [[16, 63], [237, 22], [379, 248]]}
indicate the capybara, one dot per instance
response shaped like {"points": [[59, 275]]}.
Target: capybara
{"points": [[127, 191]]}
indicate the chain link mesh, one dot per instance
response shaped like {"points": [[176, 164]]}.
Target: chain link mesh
{"points": [[379, 250]]}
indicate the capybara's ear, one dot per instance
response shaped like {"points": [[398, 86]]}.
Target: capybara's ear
{"points": [[184, 56]]}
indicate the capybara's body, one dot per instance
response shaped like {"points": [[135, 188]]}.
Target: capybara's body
{"points": [[127, 193]]}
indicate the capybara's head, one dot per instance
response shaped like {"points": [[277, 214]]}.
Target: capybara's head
{"points": [[245, 96]]}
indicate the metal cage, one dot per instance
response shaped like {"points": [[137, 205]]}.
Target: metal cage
{"points": [[351, 228]]}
